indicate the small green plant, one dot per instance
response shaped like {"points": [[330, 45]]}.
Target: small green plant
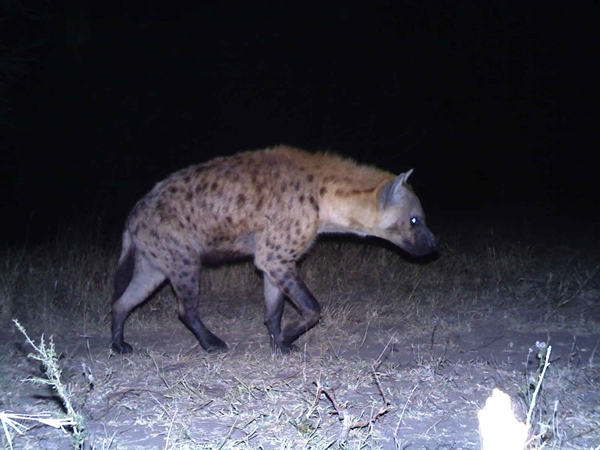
{"points": [[72, 419], [12, 421]]}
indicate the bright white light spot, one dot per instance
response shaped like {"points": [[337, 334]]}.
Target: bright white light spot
{"points": [[499, 428]]}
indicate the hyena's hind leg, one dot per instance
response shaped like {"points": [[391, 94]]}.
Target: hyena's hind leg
{"points": [[135, 279], [185, 282]]}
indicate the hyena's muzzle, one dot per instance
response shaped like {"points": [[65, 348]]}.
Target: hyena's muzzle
{"points": [[420, 242]]}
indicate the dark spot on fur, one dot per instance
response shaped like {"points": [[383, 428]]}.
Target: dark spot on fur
{"points": [[229, 220], [186, 179], [153, 254], [187, 218], [186, 261], [278, 247], [342, 193], [289, 286], [189, 195], [310, 178], [184, 274], [322, 191], [214, 186], [297, 185], [173, 190], [302, 199], [241, 200]]}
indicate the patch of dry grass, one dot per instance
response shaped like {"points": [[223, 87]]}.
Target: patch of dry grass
{"points": [[390, 353]]}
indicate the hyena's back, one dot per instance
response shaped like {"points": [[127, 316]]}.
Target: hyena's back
{"points": [[270, 204], [228, 207]]}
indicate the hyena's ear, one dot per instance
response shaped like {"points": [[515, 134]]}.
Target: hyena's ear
{"points": [[391, 193]]}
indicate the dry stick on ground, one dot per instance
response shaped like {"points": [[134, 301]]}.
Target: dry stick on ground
{"points": [[348, 422]]}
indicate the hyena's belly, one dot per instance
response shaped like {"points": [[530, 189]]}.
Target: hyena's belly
{"points": [[221, 248]]}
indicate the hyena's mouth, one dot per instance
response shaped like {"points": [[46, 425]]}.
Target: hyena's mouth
{"points": [[422, 247]]}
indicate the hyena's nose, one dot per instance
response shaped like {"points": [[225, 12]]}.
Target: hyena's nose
{"points": [[433, 244]]}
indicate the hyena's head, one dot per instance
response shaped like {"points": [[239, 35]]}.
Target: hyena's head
{"points": [[401, 218]]}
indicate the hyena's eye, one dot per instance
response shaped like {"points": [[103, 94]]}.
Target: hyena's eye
{"points": [[414, 221]]}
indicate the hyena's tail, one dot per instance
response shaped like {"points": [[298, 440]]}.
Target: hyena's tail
{"points": [[124, 272]]}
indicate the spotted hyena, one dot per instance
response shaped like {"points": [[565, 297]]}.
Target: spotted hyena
{"points": [[270, 204]]}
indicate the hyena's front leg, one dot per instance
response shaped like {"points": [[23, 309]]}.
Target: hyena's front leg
{"points": [[277, 284], [273, 312]]}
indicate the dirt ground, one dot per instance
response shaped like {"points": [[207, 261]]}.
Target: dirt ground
{"points": [[418, 391]]}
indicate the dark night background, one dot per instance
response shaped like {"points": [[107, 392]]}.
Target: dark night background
{"points": [[493, 103]]}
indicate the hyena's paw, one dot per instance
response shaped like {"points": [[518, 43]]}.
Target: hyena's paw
{"points": [[215, 345], [122, 347]]}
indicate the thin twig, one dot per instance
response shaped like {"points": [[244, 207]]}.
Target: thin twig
{"points": [[538, 386], [348, 422]]}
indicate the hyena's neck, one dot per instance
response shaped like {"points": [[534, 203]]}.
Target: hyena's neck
{"points": [[351, 208]]}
